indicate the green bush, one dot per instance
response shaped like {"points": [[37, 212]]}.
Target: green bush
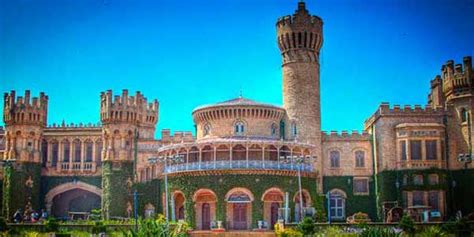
{"points": [[3, 224], [379, 232], [407, 225], [432, 231], [51, 225], [99, 227], [289, 233], [306, 226]]}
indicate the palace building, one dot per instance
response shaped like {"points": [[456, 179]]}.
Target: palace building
{"points": [[240, 166]]}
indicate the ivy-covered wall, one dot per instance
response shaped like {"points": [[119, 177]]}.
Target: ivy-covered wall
{"points": [[354, 203], [116, 188], [17, 192], [50, 182], [257, 184], [387, 190], [149, 193], [463, 191]]}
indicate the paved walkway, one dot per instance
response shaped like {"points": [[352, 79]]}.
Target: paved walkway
{"points": [[233, 234]]}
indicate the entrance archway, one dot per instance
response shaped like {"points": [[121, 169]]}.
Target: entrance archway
{"points": [[239, 208], [272, 202], [72, 197], [205, 208], [306, 202]]}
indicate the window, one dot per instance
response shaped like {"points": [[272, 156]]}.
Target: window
{"points": [[66, 151], [433, 179], [334, 157], [418, 198], [405, 199], [405, 179], [273, 129], [207, 129], [433, 200], [239, 128], [418, 179], [360, 159], [89, 146], [431, 146], [464, 115], [77, 151], [361, 186], [415, 147], [55, 154], [337, 205], [294, 130], [403, 150]]}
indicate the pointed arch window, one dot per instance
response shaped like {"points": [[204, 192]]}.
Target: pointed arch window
{"points": [[207, 129], [294, 129], [360, 159], [273, 129], [464, 115], [334, 156]]}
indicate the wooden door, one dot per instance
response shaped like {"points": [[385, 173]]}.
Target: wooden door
{"points": [[240, 216], [206, 216], [274, 214]]}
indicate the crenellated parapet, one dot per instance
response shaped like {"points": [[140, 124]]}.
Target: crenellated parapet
{"points": [[458, 79], [128, 109], [300, 36], [178, 137], [404, 111], [25, 110], [344, 135]]}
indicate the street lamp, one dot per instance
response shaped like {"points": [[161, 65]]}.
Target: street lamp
{"points": [[299, 160], [161, 159]]}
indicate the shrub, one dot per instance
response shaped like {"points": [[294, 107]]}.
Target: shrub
{"points": [[289, 233], [99, 227], [51, 225], [379, 232], [3, 225], [306, 226], [432, 231], [407, 225]]}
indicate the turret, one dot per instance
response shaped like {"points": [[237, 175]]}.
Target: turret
{"points": [[300, 38], [25, 119], [24, 110], [121, 117], [458, 80]]}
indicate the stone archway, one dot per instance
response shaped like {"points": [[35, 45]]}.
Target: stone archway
{"points": [[76, 195]]}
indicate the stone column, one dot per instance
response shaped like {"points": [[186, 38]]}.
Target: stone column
{"points": [[83, 155], [230, 155], [49, 156], [247, 155], [263, 156], [71, 153], [423, 150], [215, 156], [200, 157]]}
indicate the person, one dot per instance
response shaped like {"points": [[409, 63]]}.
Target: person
{"points": [[34, 216], [44, 215], [17, 216]]}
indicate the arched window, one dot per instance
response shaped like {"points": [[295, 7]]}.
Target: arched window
{"points": [[294, 130], [337, 204], [273, 129], [239, 128], [464, 115], [77, 150], [66, 150], [89, 146], [207, 129], [359, 159], [334, 156]]}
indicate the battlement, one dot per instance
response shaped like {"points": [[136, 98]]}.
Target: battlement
{"points": [[407, 110], [73, 125], [25, 110], [128, 109], [177, 137], [345, 135], [301, 18], [457, 78]]}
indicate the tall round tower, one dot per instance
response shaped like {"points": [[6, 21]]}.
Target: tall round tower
{"points": [[300, 38]]}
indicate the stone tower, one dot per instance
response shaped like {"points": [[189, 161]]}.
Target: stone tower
{"points": [[25, 119], [300, 38], [124, 118], [458, 93]]}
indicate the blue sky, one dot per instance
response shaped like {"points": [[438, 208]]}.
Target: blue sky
{"points": [[188, 53]]}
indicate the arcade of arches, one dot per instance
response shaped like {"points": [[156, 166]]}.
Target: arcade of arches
{"points": [[238, 204]]}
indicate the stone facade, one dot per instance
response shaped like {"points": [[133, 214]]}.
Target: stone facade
{"points": [[251, 154]]}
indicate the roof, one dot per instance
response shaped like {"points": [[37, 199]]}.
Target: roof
{"points": [[239, 101]]}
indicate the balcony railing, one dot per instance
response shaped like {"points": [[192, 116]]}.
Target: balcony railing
{"points": [[422, 164], [238, 164], [76, 166]]}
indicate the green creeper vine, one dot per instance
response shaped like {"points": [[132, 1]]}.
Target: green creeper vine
{"points": [[116, 188]]}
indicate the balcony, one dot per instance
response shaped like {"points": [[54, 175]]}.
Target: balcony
{"points": [[238, 164], [422, 164]]}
